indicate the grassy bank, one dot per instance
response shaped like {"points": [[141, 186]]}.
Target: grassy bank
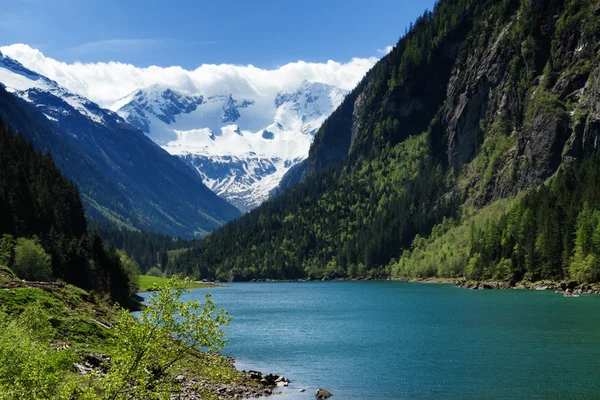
{"points": [[146, 282], [60, 342]]}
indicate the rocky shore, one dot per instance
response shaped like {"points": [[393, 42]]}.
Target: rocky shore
{"points": [[573, 287], [243, 385], [253, 384]]}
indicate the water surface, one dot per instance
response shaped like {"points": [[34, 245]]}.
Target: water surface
{"points": [[394, 340]]}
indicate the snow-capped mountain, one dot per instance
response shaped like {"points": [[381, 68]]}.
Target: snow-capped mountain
{"points": [[33, 87], [122, 174], [240, 146]]}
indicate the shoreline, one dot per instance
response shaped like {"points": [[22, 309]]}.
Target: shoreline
{"points": [[560, 286]]}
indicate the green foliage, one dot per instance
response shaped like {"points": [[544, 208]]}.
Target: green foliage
{"points": [[131, 270], [7, 250], [585, 264], [29, 367], [31, 262], [148, 249], [148, 348], [154, 271], [43, 332], [349, 221], [446, 252], [552, 232]]}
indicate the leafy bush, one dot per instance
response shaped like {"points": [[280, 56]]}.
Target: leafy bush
{"points": [[154, 271], [132, 270], [29, 367], [147, 349], [31, 263]]}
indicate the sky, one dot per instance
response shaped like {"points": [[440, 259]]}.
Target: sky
{"points": [[188, 33]]}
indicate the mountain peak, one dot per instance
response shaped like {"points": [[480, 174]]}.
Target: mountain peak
{"points": [[156, 101], [241, 145]]}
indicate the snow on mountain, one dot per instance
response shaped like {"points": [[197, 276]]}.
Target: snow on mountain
{"points": [[240, 146], [31, 86], [241, 143], [121, 173]]}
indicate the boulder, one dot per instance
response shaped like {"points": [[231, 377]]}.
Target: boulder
{"points": [[255, 375], [323, 394]]}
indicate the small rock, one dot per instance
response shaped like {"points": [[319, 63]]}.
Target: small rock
{"points": [[302, 390], [83, 370], [180, 378], [323, 394]]}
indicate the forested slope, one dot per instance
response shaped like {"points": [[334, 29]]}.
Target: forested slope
{"points": [[43, 232], [480, 101]]}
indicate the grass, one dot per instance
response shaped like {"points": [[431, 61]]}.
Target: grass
{"points": [[147, 281], [72, 312]]}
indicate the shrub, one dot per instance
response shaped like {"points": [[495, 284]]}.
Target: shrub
{"points": [[31, 261], [29, 367], [154, 271], [132, 270], [147, 349]]}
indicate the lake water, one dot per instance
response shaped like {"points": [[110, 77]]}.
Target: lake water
{"points": [[394, 340]]}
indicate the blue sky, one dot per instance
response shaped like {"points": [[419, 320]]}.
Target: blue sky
{"points": [[188, 33]]}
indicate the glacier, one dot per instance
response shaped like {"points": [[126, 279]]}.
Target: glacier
{"points": [[241, 146]]}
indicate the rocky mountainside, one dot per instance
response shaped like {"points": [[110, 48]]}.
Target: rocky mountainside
{"points": [[122, 175], [241, 147], [480, 103]]}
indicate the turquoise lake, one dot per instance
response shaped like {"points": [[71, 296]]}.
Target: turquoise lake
{"points": [[395, 340]]}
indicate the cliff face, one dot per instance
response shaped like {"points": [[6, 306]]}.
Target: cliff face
{"points": [[521, 71], [480, 100], [533, 84]]}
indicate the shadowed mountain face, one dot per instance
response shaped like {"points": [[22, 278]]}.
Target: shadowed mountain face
{"points": [[122, 175]]}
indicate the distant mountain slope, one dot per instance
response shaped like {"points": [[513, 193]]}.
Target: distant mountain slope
{"points": [[241, 147], [122, 175], [481, 102]]}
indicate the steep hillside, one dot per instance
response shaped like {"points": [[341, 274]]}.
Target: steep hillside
{"points": [[123, 176], [479, 101]]}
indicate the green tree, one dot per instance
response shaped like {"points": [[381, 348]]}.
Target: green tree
{"points": [[154, 271], [32, 263], [7, 250], [147, 349]]}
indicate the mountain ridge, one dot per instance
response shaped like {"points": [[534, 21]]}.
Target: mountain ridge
{"points": [[241, 147], [122, 174]]}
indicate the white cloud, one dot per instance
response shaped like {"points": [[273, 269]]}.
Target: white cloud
{"points": [[385, 51], [104, 83]]}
